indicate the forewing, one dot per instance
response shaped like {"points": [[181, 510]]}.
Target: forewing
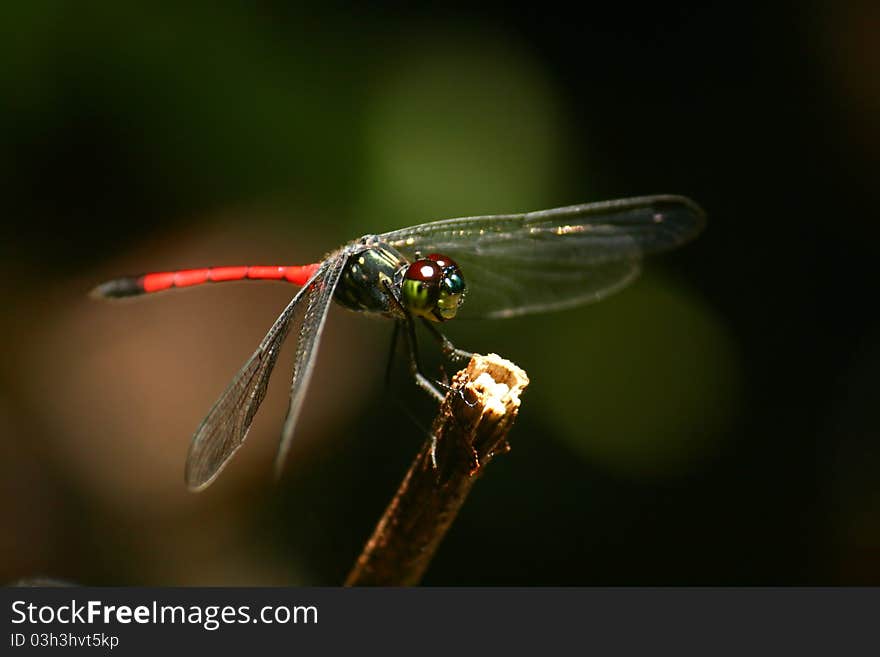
{"points": [[521, 263], [225, 428], [307, 348]]}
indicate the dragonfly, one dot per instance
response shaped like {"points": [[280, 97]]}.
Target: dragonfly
{"points": [[492, 266]]}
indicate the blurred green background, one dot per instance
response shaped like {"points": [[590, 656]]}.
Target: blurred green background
{"points": [[715, 423]]}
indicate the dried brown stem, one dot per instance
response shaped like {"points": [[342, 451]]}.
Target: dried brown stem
{"points": [[470, 429]]}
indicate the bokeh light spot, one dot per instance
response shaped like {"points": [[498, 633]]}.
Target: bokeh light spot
{"points": [[462, 125], [642, 383]]}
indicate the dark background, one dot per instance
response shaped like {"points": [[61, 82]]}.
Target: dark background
{"points": [[713, 424]]}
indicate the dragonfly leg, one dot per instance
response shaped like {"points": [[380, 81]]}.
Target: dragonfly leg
{"points": [[409, 335], [391, 353], [415, 366], [395, 336], [452, 353], [449, 350]]}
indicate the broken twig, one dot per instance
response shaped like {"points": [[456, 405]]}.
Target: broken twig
{"points": [[469, 430]]}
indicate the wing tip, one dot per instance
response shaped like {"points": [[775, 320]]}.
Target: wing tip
{"points": [[196, 476], [196, 483], [687, 215]]}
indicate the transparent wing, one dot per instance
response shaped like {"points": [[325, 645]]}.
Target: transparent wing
{"points": [[538, 261], [225, 428], [307, 348]]}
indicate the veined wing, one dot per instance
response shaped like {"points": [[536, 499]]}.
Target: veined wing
{"points": [[226, 426], [307, 346], [515, 264]]}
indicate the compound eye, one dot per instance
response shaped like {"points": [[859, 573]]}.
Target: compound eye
{"points": [[452, 289], [424, 270], [442, 260], [453, 283], [433, 288], [421, 287]]}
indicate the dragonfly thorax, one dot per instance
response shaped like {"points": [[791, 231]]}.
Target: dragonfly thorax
{"points": [[430, 287], [370, 272]]}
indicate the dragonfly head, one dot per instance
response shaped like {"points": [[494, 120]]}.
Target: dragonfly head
{"points": [[433, 288]]}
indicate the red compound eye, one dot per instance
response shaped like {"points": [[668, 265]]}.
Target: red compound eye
{"points": [[442, 260], [424, 270]]}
